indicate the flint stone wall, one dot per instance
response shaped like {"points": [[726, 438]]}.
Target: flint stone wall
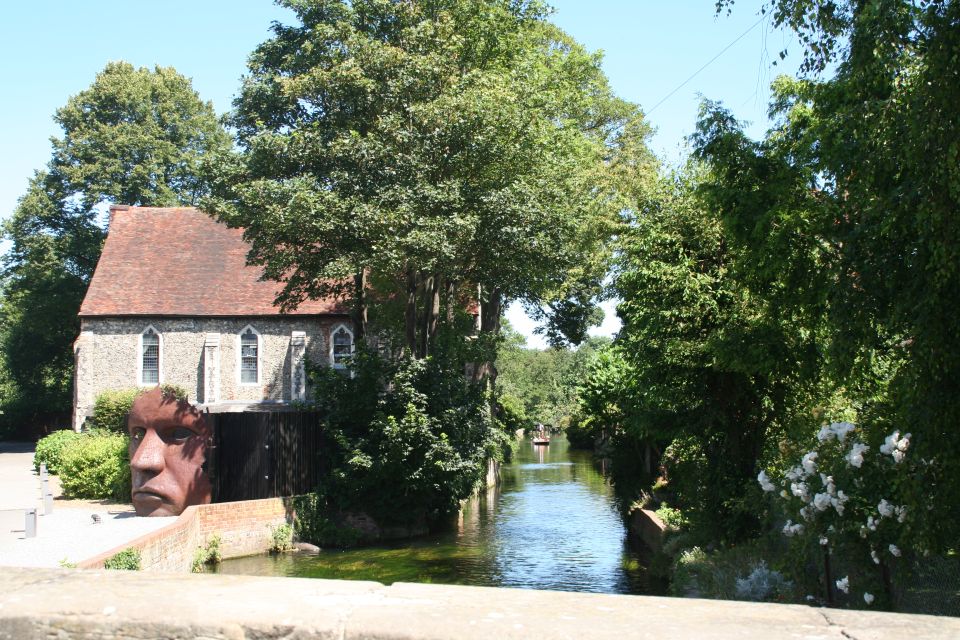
{"points": [[107, 356]]}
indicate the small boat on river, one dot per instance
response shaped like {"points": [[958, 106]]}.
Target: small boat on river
{"points": [[541, 437]]}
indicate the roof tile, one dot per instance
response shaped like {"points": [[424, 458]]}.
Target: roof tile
{"points": [[181, 262]]}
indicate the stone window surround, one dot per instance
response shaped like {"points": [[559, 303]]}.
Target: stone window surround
{"points": [[140, 382], [239, 357], [333, 332]]}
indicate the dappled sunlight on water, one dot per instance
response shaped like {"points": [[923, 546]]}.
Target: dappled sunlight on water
{"points": [[552, 524]]}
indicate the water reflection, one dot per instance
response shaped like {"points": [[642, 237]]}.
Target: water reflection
{"points": [[552, 524]]}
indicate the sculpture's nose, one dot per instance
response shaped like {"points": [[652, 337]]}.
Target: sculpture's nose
{"points": [[148, 456]]}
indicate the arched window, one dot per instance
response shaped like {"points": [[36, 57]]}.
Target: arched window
{"points": [[249, 356], [341, 346], [149, 363]]}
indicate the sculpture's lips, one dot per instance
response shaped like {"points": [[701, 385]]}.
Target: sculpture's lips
{"points": [[146, 495]]}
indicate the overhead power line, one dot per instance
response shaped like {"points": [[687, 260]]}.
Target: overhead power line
{"points": [[707, 64]]}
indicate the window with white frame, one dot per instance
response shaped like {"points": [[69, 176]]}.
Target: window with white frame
{"points": [[249, 356], [149, 356], [341, 347]]}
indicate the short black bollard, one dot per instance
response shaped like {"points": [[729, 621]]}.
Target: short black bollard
{"points": [[30, 523]]}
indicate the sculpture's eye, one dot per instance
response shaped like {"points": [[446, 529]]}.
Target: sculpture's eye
{"points": [[182, 433], [137, 433]]}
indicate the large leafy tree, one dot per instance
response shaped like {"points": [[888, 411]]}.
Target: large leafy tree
{"points": [[873, 152], [135, 136], [441, 149], [712, 363]]}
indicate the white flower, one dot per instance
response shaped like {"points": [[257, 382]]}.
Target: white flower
{"points": [[784, 494], [904, 442], [821, 501], [868, 597], [838, 501], [843, 584], [874, 556], [790, 529], [895, 446], [801, 490], [895, 550], [842, 429], [806, 513], [828, 484], [871, 523], [808, 463], [890, 443], [838, 430], [855, 457], [764, 481], [794, 474], [885, 508], [823, 541], [901, 513]]}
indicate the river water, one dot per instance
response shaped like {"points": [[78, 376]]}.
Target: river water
{"points": [[551, 524]]}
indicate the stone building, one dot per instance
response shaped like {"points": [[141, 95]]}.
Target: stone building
{"points": [[173, 301]]}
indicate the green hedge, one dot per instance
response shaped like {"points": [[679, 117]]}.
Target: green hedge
{"points": [[96, 466], [50, 449], [111, 407]]}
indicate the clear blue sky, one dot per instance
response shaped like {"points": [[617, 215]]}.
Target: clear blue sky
{"points": [[50, 50]]}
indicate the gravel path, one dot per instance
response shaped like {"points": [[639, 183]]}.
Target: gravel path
{"points": [[68, 533]]}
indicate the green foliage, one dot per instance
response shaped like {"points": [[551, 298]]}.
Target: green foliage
{"points": [[511, 415], [51, 448], [845, 212], [544, 381], [135, 136], [66, 564], [110, 408], [580, 432], [95, 466], [671, 517], [408, 439], [126, 560], [208, 554], [282, 538], [434, 146], [738, 573], [313, 523]]}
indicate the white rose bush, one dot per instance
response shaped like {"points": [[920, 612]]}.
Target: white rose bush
{"points": [[841, 500]]}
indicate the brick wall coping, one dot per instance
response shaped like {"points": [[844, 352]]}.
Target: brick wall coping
{"points": [[243, 528], [55, 603]]}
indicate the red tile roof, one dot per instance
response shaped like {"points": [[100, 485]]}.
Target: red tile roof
{"points": [[181, 262]]}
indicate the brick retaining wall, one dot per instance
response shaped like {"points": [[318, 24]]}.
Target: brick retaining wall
{"points": [[244, 528]]}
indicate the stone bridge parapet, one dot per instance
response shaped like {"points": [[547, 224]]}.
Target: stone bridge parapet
{"points": [[52, 603]]}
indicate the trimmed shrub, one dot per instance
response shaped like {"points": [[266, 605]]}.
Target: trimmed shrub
{"points": [[49, 450], [95, 466], [111, 407]]}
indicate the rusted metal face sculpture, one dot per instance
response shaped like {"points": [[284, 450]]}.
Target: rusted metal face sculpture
{"points": [[168, 447]]}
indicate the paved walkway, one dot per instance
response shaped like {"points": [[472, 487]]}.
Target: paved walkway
{"points": [[69, 533]]}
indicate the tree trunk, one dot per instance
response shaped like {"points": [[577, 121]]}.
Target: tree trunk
{"points": [[451, 301], [360, 281], [433, 318], [410, 317], [489, 324], [428, 286]]}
